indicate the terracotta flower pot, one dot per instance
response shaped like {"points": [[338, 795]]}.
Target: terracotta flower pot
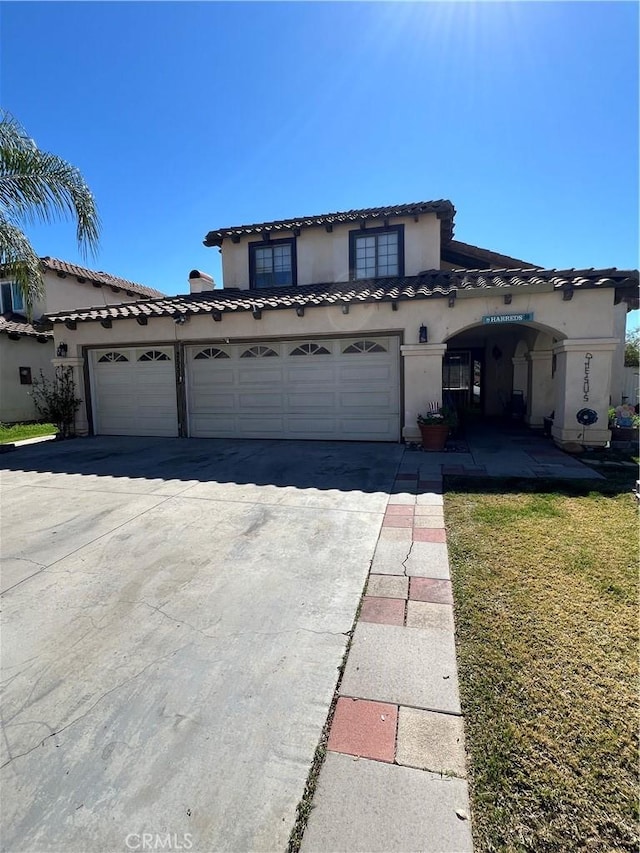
{"points": [[434, 436]]}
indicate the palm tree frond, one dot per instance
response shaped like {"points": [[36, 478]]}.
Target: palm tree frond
{"points": [[36, 186], [20, 263]]}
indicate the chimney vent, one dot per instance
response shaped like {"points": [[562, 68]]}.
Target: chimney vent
{"points": [[200, 282]]}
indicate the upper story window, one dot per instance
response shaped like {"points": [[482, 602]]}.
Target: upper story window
{"points": [[11, 298], [272, 264], [376, 252]]}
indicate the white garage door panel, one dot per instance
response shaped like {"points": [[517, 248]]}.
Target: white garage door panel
{"points": [[215, 402], [361, 401], [310, 401], [133, 397], [311, 374], [266, 425], [360, 373], [261, 401], [213, 426], [300, 392], [259, 377]]}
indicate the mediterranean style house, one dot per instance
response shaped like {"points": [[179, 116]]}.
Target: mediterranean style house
{"points": [[346, 326], [27, 348]]}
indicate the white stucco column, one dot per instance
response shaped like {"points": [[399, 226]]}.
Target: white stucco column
{"points": [[77, 367], [422, 370], [540, 397], [582, 381], [520, 374]]}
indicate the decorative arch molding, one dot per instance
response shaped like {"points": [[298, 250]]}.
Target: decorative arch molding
{"points": [[259, 351], [154, 355], [111, 357], [487, 329], [211, 352]]}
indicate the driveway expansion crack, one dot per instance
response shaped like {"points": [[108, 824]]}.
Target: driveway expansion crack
{"points": [[91, 707], [285, 631], [27, 560], [91, 542], [158, 608]]}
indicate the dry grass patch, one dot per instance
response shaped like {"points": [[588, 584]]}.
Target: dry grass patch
{"points": [[546, 602]]}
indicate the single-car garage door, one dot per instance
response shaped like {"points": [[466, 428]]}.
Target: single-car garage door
{"points": [[134, 391], [341, 389]]}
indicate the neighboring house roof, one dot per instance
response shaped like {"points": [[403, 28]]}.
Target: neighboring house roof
{"points": [[437, 283], [16, 326], [443, 208], [99, 279], [464, 254]]}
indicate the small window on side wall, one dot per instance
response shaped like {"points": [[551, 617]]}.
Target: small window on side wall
{"points": [[11, 298], [25, 375], [272, 264]]}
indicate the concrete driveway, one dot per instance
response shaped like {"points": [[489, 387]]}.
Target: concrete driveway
{"points": [[174, 615]]}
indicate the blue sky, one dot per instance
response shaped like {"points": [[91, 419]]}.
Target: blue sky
{"points": [[185, 117]]}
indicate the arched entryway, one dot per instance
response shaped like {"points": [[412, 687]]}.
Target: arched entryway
{"points": [[492, 371]]}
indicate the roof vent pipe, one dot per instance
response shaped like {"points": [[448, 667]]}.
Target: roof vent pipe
{"points": [[199, 282]]}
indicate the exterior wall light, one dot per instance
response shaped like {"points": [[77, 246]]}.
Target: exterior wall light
{"points": [[62, 350], [422, 334]]}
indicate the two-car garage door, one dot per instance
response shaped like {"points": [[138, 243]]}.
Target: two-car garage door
{"points": [[338, 389]]}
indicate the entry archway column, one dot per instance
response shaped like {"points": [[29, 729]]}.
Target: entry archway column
{"points": [[582, 381], [422, 370], [540, 386], [520, 373], [81, 424]]}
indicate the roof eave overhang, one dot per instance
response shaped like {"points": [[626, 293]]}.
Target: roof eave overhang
{"points": [[443, 210]]}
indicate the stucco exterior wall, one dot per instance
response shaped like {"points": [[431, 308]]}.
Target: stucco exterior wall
{"points": [[588, 316], [324, 257], [15, 402], [617, 369], [64, 294]]}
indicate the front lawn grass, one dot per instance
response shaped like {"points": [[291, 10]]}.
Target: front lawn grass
{"points": [[16, 432], [545, 580]]}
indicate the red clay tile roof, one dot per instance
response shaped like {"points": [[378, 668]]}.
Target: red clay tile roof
{"points": [[130, 288], [437, 283], [462, 254], [16, 325], [443, 208]]}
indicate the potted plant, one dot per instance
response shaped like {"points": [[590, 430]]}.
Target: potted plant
{"points": [[435, 426], [623, 423]]}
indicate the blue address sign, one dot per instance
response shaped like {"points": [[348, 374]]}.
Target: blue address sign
{"points": [[491, 319]]}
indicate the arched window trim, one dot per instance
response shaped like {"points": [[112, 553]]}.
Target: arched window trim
{"points": [[259, 351], [364, 346], [154, 355], [211, 352], [111, 357], [310, 348]]}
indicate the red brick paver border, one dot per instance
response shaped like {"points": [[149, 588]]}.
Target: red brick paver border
{"points": [[400, 509], [385, 611], [430, 589], [429, 534], [364, 728]]}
